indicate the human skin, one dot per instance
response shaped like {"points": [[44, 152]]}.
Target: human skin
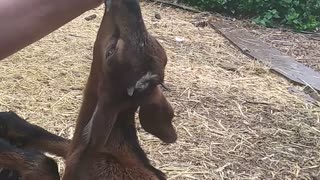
{"points": [[23, 22]]}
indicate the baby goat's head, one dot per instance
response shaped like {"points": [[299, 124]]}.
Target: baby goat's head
{"points": [[134, 68], [132, 65], [138, 73]]}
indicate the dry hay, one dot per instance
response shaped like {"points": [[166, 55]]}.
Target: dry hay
{"points": [[240, 124]]}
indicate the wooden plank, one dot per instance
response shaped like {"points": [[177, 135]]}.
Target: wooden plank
{"points": [[284, 65]]}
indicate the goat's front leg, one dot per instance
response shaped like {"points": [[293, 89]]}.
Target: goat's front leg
{"points": [[28, 136], [30, 164]]}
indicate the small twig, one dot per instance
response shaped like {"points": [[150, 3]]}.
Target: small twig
{"points": [[165, 87], [74, 35], [177, 6], [188, 132], [306, 32], [220, 169], [253, 102], [62, 131], [240, 109]]}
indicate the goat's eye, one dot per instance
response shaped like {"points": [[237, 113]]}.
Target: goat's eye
{"points": [[110, 52], [111, 49]]}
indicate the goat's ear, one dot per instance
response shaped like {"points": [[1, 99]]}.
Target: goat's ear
{"points": [[97, 131], [156, 116]]}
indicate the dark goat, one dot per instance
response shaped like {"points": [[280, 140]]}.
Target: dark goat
{"points": [[30, 164], [126, 74], [127, 70], [126, 160]]}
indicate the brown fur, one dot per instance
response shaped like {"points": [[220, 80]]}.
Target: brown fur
{"points": [[128, 66], [125, 159], [30, 164], [127, 69]]}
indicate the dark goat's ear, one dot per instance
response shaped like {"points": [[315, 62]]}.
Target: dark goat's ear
{"points": [[156, 116], [143, 83]]}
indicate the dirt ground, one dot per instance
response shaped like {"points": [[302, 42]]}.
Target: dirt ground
{"points": [[302, 46], [234, 123]]}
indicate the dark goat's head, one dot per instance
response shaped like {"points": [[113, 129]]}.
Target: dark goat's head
{"points": [[130, 66]]}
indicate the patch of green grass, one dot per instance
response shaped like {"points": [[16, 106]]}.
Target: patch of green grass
{"points": [[302, 15]]}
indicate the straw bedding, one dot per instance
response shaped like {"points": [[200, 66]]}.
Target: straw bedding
{"points": [[234, 118]]}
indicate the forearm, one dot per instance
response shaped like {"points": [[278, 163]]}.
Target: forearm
{"points": [[23, 22]]}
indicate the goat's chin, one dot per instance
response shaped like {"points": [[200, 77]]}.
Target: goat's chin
{"points": [[170, 137], [106, 167]]}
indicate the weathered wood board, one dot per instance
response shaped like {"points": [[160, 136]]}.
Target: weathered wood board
{"points": [[280, 63]]}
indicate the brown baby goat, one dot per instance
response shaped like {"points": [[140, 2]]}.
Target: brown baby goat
{"points": [[127, 69], [127, 162]]}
